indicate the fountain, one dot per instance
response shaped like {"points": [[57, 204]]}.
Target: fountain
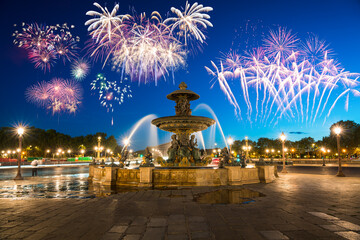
{"points": [[183, 151], [185, 166]]}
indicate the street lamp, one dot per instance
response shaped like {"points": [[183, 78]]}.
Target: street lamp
{"points": [[98, 148], [267, 153], [230, 142], [20, 131], [82, 151], [247, 148], [337, 131], [282, 138]]}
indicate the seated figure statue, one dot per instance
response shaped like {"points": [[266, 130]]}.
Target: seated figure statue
{"points": [[174, 148], [195, 153]]}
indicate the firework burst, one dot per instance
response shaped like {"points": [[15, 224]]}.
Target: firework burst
{"points": [[58, 95], [111, 93], [46, 44], [80, 69], [145, 48], [285, 79]]}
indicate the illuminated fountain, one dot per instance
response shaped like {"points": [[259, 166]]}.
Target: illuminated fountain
{"points": [[183, 151], [185, 166]]}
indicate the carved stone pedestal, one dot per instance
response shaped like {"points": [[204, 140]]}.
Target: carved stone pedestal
{"points": [[110, 175], [266, 173], [146, 176]]}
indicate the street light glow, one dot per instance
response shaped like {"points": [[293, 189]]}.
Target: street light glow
{"points": [[337, 130], [126, 141], [20, 131], [230, 141], [282, 137]]}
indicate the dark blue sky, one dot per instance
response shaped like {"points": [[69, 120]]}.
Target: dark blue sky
{"points": [[335, 21]]}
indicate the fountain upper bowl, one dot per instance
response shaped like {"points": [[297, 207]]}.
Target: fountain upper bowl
{"points": [[178, 124]]}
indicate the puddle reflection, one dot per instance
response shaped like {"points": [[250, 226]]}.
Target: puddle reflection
{"points": [[228, 196]]}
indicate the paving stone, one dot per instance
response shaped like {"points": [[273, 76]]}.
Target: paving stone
{"points": [[136, 229], [111, 236], [177, 237], [198, 227], [272, 235], [349, 235], [177, 228], [118, 229], [140, 220], [157, 222], [178, 218], [333, 227], [347, 225], [324, 216], [132, 237], [200, 235], [192, 219], [154, 233]]}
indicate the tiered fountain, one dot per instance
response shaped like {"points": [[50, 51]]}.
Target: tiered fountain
{"points": [[183, 151], [185, 166]]}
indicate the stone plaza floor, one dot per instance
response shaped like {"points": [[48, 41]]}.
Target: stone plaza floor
{"points": [[295, 206]]}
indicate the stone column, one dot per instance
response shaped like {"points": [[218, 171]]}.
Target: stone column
{"points": [[146, 176]]}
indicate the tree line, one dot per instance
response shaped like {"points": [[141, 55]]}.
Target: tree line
{"points": [[37, 141], [308, 147]]}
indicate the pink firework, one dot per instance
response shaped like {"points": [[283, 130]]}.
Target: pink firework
{"points": [[58, 95], [42, 58], [47, 44], [38, 94]]}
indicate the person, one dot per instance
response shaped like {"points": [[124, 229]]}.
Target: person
{"points": [[34, 168]]}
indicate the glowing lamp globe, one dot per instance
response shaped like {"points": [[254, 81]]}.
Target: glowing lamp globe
{"points": [[337, 130], [282, 137], [20, 131]]}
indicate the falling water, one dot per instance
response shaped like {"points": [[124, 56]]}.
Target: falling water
{"points": [[153, 134], [208, 108], [200, 136]]}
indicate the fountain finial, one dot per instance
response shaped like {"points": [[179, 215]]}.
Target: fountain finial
{"points": [[182, 86]]}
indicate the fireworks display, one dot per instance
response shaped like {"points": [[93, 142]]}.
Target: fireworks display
{"points": [[47, 44], [111, 93], [146, 48], [80, 69], [58, 95], [285, 78]]}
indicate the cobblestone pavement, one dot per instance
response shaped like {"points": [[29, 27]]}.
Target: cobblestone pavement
{"points": [[296, 206]]}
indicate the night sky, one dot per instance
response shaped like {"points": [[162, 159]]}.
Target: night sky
{"points": [[335, 21]]}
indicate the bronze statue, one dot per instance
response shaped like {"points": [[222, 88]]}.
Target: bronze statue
{"points": [[147, 159], [173, 150], [195, 153]]}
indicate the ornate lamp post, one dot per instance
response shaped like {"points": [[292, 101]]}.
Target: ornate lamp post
{"points": [[98, 148], [322, 155], [247, 148], [20, 132], [337, 131], [282, 138], [230, 142], [82, 151]]}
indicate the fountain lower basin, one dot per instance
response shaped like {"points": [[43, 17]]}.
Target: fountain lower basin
{"points": [[176, 177]]}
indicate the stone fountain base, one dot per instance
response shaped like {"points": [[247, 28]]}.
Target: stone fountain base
{"points": [[176, 177]]}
